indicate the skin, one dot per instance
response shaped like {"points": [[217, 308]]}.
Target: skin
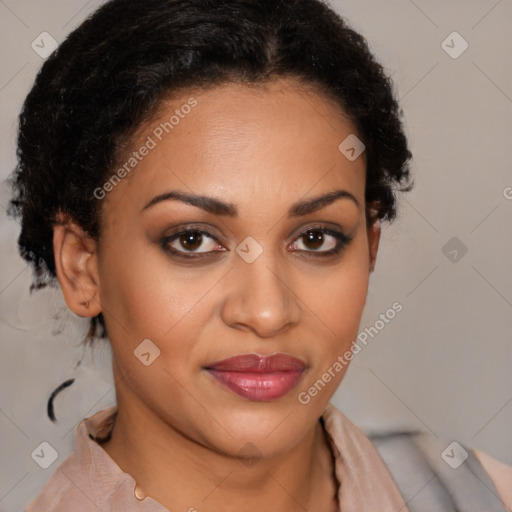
{"points": [[501, 476], [179, 432]]}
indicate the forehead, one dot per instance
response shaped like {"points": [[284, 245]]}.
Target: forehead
{"points": [[246, 142]]}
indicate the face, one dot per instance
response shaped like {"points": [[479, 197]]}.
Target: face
{"points": [[240, 232]]}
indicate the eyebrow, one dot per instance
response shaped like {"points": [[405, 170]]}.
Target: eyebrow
{"points": [[218, 207]]}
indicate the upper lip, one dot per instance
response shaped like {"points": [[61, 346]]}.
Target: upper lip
{"points": [[259, 364]]}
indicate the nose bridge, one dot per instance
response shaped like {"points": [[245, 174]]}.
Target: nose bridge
{"points": [[260, 297]]}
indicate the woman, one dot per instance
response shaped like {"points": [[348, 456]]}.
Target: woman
{"points": [[206, 180]]}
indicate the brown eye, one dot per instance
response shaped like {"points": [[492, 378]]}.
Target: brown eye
{"points": [[191, 243], [313, 239], [320, 241]]}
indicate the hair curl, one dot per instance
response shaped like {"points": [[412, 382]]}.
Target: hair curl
{"points": [[109, 75]]}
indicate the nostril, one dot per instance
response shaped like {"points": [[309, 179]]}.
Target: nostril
{"points": [[65, 384]]}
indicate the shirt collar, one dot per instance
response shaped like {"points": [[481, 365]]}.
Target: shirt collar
{"points": [[366, 484]]}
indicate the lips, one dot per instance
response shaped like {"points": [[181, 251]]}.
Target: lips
{"points": [[258, 378]]}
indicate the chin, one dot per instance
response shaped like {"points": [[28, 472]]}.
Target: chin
{"points": [[271, 426]]}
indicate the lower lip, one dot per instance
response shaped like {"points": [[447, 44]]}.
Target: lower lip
{"points": [[258, 387]]}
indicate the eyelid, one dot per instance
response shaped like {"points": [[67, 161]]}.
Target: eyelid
{"points": [[200, 227], [343, 240], [341, 237], [322, 226], [167, 239]]}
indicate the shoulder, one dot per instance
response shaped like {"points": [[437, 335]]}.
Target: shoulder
{"points": [[89, 480], [500, 474], [61, 491], [74, 483], [366, 483], [438, 473], [430, 473]]}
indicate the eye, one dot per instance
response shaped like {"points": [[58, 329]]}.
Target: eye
{"points": [[316, 241], [189, 242], [321, 240]]}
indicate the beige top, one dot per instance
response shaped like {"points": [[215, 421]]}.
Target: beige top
{"points": [[89, 479]]}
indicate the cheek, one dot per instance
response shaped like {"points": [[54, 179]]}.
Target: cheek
{"points": [[337, 305], [142, 293], [344, 301], [338, 300], [145, 297]]}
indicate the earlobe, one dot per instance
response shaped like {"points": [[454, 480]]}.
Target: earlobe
{"points": [[77, 269], [373, 243]]}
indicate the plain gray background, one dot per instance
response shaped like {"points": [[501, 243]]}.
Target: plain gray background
{"points": [[442, 364]]}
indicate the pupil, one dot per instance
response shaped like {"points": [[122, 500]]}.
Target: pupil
{"points": [[191, 241], [315, 239]]}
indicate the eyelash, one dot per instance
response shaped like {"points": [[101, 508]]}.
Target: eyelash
{"points": [[342, 241]]}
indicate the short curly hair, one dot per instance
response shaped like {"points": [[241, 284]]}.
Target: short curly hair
{"points": [[110, 74]]}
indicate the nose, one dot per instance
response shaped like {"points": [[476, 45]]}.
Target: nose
{"points": [[260, 298]]}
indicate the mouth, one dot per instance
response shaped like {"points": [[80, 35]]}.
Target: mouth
{"points": [[257, 378]]}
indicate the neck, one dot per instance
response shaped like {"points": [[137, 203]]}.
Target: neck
{"points": [[183, 474]]}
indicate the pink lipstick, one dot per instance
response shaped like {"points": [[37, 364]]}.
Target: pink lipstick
{"points": [[258, 378]]}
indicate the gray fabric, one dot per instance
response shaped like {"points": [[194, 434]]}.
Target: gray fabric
{"points": [[428, 483]]}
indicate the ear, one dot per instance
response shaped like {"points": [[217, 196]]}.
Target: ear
{"points": [[77, 268], [373, 242]]}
